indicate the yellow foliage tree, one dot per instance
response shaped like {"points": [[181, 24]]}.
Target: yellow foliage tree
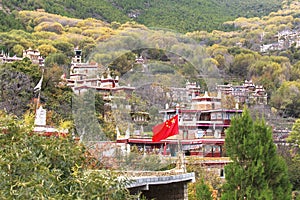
{"points": [[46, 49]]}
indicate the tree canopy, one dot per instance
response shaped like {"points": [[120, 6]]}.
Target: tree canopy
{"points": [[293, 155], [181, 16], [37, 167], [256, 171], [286, 98]]}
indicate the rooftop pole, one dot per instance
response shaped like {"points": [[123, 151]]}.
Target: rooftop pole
{"points": [[181, 161]]}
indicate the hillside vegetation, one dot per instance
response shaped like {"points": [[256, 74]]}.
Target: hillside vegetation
{"points": [[177, 15], [9, 22], [72, 8], [194, 14], [234, 53]]}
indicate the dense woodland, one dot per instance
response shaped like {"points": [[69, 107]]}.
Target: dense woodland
{"points": [[235, 54], [177, 15], [226, 46], [193, 15]]}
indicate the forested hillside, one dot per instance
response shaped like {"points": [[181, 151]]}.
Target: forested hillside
{"points": [[101, 9], [192, 15], [178, 15], [235, 53], [9, 22]]}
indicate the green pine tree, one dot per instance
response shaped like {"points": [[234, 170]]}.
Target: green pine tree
{"points": [[202, 191], [257, 172]]}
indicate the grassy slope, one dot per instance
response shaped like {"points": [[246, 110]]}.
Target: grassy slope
{"points": [[179, 15]]}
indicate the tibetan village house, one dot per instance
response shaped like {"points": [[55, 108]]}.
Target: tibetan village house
{"points": [[201, 129], [85, 76]]}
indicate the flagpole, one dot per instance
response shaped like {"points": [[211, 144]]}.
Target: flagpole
{"points": [[180, 152], [38, 87], [38, 100]]}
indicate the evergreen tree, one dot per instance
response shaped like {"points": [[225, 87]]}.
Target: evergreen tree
{"points": [[257, 172], [202, 191]]}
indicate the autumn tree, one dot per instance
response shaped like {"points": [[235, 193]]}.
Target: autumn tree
{"points": [[256, 171], [294, 153], [37, 167], [18, 50], [286, 99], [295, 71], [294, 136], [270, 71], [46, 49], [207, 181], [221, 55], [241, 64], [228, 101]]}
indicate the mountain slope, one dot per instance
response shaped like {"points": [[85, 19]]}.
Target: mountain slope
{"points": [[179, 15], [9, 22], [99, 9], [193, 15]]}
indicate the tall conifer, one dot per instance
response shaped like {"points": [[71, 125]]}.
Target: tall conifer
{"points": [[257, 172]]}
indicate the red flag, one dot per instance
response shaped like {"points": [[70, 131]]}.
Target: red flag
{"points": [[166, 129]]}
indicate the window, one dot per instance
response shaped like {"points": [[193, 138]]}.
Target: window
{"points": [[222, 173], [185, 134], [199, 134], [219, 115], [213, 116]]}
